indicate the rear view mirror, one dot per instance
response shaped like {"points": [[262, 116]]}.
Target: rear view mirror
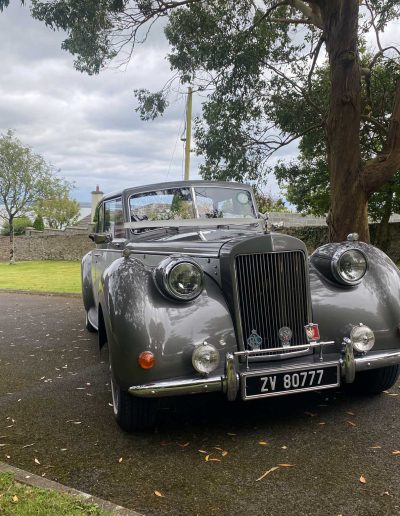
{"points": [[102, 238]]}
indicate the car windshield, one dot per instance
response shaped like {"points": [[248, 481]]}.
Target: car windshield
{"points": [[200, 202]]}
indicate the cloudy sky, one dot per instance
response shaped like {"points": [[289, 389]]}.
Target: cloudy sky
{"points": [[87, 126]]}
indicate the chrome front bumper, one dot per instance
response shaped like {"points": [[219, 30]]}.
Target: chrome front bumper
{"points": [[229, 383]]}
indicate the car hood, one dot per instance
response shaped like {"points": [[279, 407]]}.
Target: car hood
{"points": [[196, 243]]}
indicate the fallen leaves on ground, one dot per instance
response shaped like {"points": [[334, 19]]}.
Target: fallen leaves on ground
{"points": [[267, 473], [263, 443], [391, 393], [363, 480], [351, 423], [120, 460], [157, 493], [396, 452], [36, 461]]}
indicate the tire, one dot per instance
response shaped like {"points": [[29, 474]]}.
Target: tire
{"points": [[376, 380], [88, 325], [132, 414]]}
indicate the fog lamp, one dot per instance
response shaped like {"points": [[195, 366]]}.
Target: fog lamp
{"points": [[362, 338], [205, 358], [146, 360]]}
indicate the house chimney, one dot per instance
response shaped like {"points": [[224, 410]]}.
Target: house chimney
{"points": [[96, 196]]}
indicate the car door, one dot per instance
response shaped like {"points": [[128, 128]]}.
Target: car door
{"points": [[115, 238]]}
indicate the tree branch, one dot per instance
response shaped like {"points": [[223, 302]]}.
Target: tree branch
{"points": [[316, 54], [313, 15], [376, 123], [382, 168]]}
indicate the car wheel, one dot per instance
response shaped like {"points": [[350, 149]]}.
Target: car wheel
{"points": [[88, 324], [132, 413], [376, 380]]}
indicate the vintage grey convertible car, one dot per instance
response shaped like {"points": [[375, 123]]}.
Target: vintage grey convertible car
{"points": [[194, 295]]}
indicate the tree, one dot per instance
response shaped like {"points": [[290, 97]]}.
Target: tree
{"points": [[25, 177], [59, 211], [19, 226], [306, 179], [38, 223], [247, 55]]}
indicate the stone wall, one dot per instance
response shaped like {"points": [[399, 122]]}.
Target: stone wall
{"points": [[47, 247], [41, 246]]}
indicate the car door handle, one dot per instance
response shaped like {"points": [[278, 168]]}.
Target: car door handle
{"points": [[96, 254]]}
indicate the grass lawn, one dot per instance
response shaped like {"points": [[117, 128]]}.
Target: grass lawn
{"points": [[23, 500], [45, 276]]}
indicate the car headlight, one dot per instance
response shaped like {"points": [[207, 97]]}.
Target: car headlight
{"points": [[362, 338], [180, 278], [205, 358], [349, 266]]}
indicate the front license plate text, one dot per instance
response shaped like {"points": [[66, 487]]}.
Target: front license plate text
{"points": [[276, 382]]}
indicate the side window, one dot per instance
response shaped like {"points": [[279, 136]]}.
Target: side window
{"points": [[114, 218]]}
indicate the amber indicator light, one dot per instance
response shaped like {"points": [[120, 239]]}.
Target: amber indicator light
{"points": [[146, 360]]}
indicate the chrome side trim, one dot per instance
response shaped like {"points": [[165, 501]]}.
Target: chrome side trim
{"points": [[177, 387]]}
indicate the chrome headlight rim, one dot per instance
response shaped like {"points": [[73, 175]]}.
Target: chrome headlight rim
{"points": [[205, 349], [367, 340], [336, 258], [162, 274]]}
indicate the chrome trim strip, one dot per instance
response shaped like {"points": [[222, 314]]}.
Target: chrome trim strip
{"points": [[177, 387], [377, 360], [305, 347]]}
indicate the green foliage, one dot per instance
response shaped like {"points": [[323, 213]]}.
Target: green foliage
{"points": [[38, 223], [59, 211], [151, 105], [266, 203], [19, 226]]}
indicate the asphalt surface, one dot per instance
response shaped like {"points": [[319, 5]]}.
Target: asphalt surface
{"points": [[56, 421]]}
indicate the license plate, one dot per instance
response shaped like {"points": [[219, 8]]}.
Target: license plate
{"points": [[277, 382]]}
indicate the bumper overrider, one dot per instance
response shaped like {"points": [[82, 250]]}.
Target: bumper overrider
{"points": [[300, 377]]}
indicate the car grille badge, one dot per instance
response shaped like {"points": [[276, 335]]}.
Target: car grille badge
{"points": [[285, 334], [312, 332], [254, 341]]}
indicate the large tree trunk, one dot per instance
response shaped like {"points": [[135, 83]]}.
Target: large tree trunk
{"points": [[348, 212]]}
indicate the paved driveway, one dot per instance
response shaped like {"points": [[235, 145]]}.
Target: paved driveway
{"points": [[56, 420]]}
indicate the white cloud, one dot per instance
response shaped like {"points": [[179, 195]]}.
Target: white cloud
{"points": [[86, 125]]}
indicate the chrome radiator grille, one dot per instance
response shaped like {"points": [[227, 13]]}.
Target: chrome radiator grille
{"points": [[272, 292]]}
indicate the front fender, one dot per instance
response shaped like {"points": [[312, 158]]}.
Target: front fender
{"points": [[139, 318], [374, 302]]}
